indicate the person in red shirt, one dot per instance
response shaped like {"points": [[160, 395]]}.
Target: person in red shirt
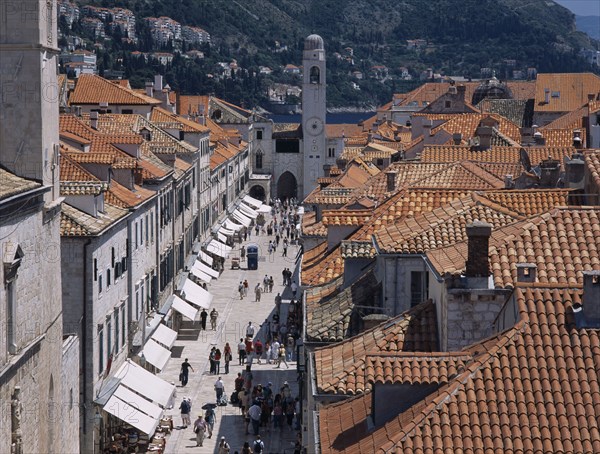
{"points": [[249, 349], [258, 350]]}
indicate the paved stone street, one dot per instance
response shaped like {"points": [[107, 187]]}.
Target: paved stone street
{"points": [[194, 344]]}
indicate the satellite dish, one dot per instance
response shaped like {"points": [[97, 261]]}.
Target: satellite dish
{"points": [[524, 158]]}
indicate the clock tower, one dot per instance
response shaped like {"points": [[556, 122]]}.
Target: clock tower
{"points": [[313, 113]]}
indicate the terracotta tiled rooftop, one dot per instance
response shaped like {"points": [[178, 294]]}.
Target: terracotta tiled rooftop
{"points": [[11, 184], [567, 91], [466, 124], [529, 202], [312, 255], [592, 162], [169, 120], [562, 243], [343, 217], [357, 249], [328, 267], [509, 155], [333, 319], [74, 222], [123, 197], [92, 89], [340, 368]]}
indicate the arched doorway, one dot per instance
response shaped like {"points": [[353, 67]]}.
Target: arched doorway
{"points": [[287, 186], [257, 192]]}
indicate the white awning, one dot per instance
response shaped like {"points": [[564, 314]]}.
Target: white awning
{"points": [[206, 269], [201, 275], [221, 237], [164, 335], [129, 413], [218, 248], [247, 211], [156, 354], [138, 402], [238, 216], [226, 231], [184, 308], [300, 210], [232, 225], [264, 209], [205, 258], [195, 294], [145, 383], [252, 201]]}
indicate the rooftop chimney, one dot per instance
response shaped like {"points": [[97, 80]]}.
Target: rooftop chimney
{"points": [[577, 142], [588, 316], [591, 96], [462, 89], [158, 82], [538, 138], [509, 183], [327, 170], [94, 120], [478, 234], [457, 138], [485, 137], [546, 95], [149, 89], [452, 90], [575, 171], [391, 180], [550, 173], [526, 272]]}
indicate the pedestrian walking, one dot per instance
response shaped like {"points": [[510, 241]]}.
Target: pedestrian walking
{"points": [[258, 350], [211, 359], [257, 292], [246, 285], [255, 412], [241, 352], [294, 288], [243, 253], [217, 361], [275, 350], [203, 317], [227, 356], [284, 253], [213, 319], [290, 348], [246, 449], [223, 447], [210, 418], [184, 373], [219, 389], [271, 284], [250, 330], [200, 430], [281, 357], [259, 445], [241, 290], [185, 408], [266, 282]]}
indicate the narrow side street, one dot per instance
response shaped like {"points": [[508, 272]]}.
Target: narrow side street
{"points": [[195, 344]]}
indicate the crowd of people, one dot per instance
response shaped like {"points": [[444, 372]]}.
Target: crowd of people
{"points": [[273, 342]]}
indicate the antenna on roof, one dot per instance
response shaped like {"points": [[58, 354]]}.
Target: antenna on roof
{"points": [[524, 158]]}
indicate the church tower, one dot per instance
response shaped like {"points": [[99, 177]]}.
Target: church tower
{"points": [[313, 112], [29, 91]]}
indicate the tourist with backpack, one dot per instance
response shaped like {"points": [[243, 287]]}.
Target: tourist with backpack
{"points": [[258, 446], [186, 408]]}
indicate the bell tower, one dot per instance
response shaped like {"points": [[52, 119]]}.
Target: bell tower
{"points": [[313, 112], [29, 91]]}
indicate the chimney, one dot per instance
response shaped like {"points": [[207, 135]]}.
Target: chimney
{"points": [[591, 296], [103, 107], [427, 128], [452, 90], [591, 97], [538, 138], [462, 90], [158, 82], [327, 170], [550, 173], [457, 138], [94, 120], [391, 180], [577, 142], [485, 137], [478, 234], [575, 171], [546, 95], [149, 89], [509, 183], [526, 272]]}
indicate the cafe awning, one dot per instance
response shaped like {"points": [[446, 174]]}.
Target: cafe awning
{"points": [[201, 275], [206, 269], [205, 258], [252, 201], [138, 379], [226, 231], [247, 211], [238, 216], [195, 294], [218, 248], [129, 411], [221, 237], [264, 209], [184, 308], [156, 354], [232, 225], [164, 335]]}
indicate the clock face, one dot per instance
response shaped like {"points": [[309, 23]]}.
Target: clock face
{"points": [[314, 126]]}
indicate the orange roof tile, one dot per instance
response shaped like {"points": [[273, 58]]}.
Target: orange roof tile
{"points": [[592, 162], [92, 89], [454, 153], [162, 117], [345, 217], [123, 197], [566, 91], [340, 368]]}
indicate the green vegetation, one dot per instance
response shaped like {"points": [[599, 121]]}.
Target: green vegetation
{"points": [[462, 37]]}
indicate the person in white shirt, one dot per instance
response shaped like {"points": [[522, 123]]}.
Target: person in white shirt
{"points": [[255, 412], [274, 350], [219, 389], [241, 352], [250, 330]]}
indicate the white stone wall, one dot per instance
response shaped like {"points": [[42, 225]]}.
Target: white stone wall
{"points": [[38, 327], [69, 403]]}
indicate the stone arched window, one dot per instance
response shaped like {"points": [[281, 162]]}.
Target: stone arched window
{"points": [[315, 75], [259, 160]]}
